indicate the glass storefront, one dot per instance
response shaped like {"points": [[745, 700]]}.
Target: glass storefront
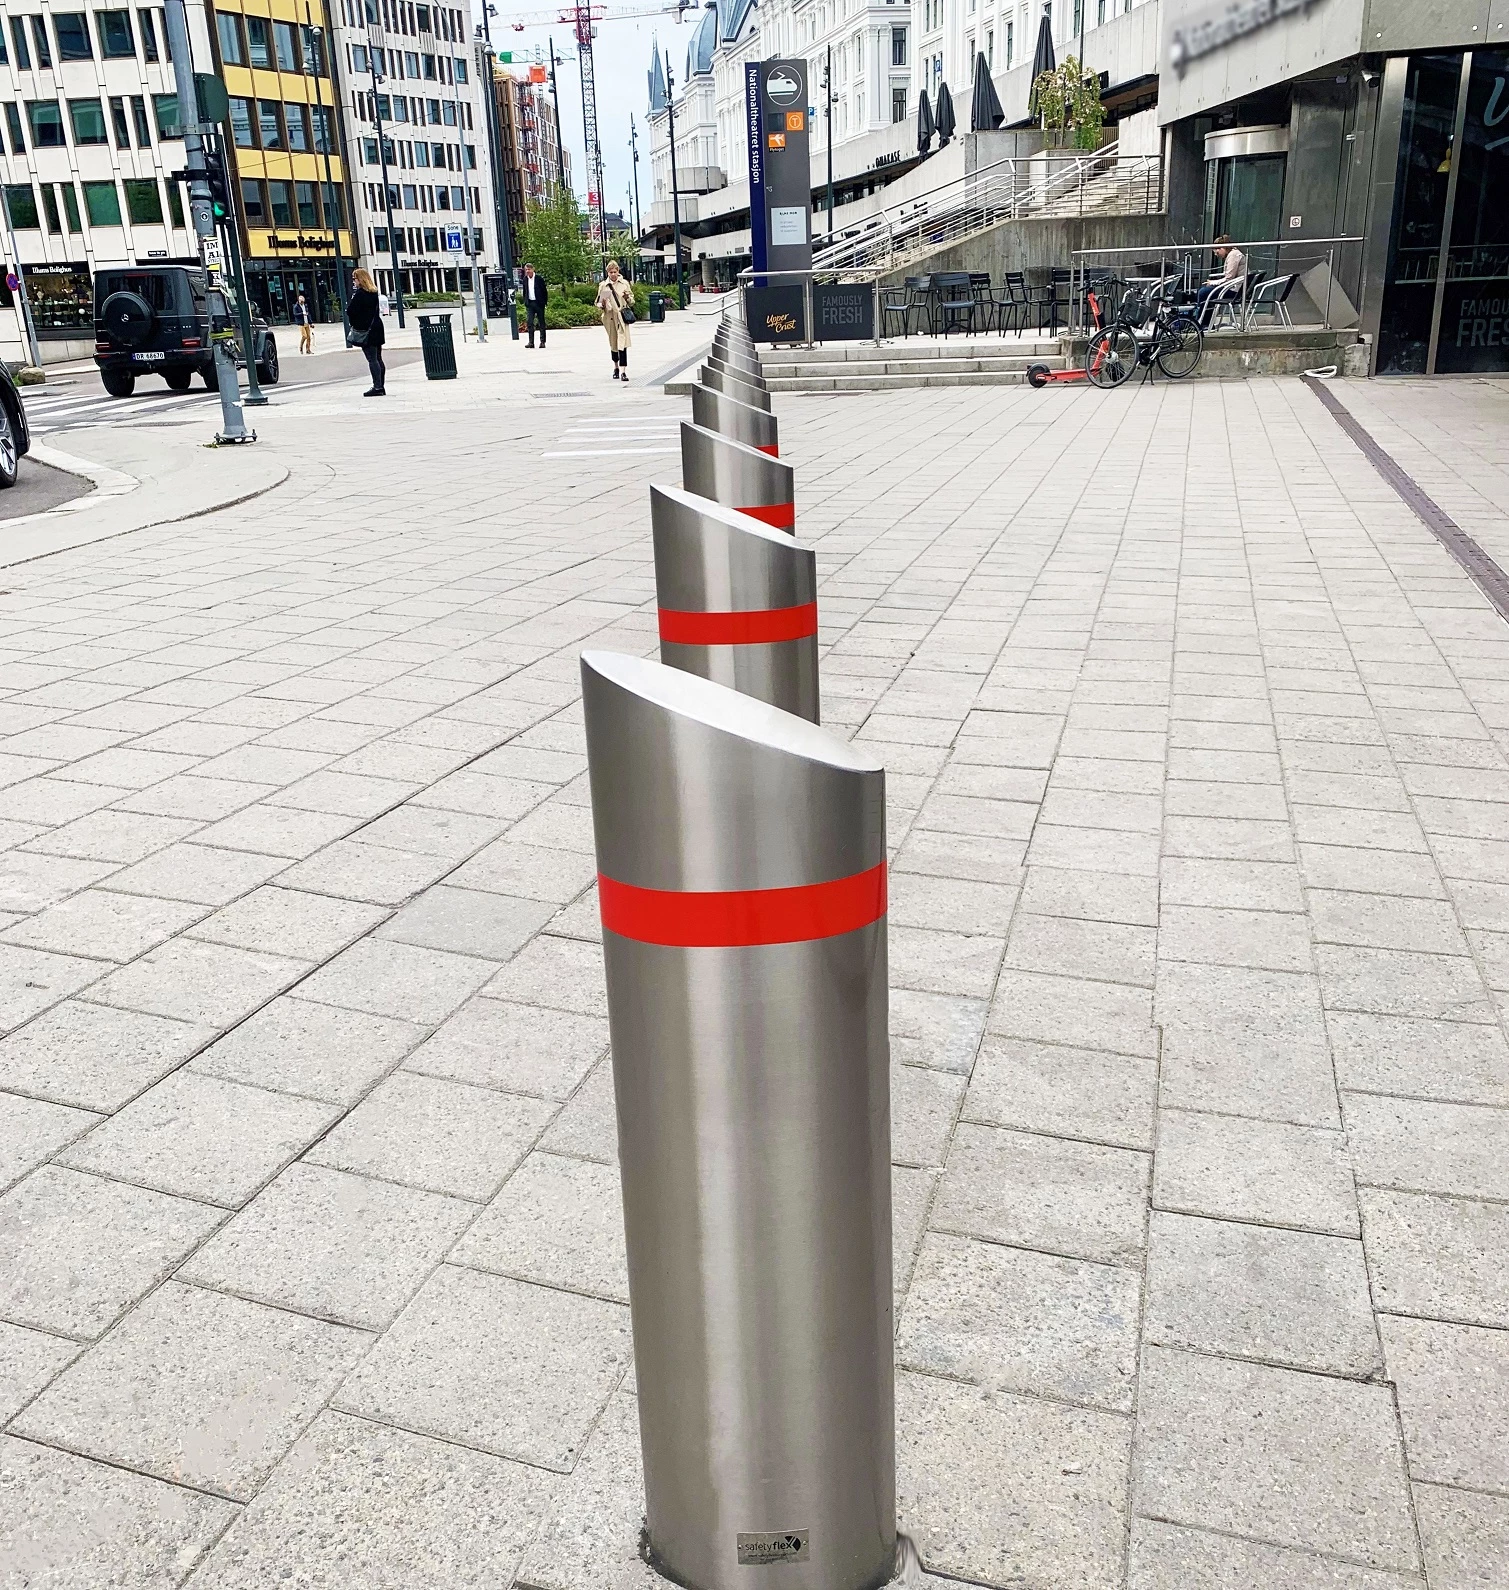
{"points": [[1446, 298], [275, 289]]}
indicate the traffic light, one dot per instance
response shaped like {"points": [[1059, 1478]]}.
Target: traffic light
{"points": [[220, 191]]}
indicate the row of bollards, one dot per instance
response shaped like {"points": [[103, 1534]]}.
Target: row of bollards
{"points": [[741, 861]]}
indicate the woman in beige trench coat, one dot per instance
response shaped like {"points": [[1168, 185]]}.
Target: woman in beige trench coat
{"points": [[614, 295]]}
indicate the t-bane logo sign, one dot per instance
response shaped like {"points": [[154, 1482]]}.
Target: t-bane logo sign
{"points": [[1187, 41]]}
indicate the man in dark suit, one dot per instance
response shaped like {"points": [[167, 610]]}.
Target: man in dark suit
{"points": [[535, 290]]}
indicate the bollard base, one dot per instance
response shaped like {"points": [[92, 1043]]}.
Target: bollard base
{"points": [[242, 440]]}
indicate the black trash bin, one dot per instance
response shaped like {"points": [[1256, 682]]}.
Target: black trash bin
{"points": [[439, 349], [657, 307]]}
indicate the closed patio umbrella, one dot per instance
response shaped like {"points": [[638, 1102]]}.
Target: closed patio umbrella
{"points": [[1042, 59], [924, 123], [945, 114], [985, 113]]}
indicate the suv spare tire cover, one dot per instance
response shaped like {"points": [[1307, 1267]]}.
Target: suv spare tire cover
{"points": [[129, 318]]}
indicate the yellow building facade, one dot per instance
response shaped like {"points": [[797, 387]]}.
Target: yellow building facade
{"points": [[284, 150]]}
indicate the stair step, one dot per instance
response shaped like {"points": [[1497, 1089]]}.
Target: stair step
{"points": [[880, 382]]}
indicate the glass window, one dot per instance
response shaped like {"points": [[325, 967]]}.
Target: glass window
{"points": [[165, 110], [280, 203], [103, 203], [39, 41], [369, 152], [298, 127], [432, 111], [410, 197], [380, 239], [228, 28], [175, 204], [50, 207], [312, 44], [410, 64], [148, 35], [458, 198], [448, 110], [13, 127], [88, 118], [253, 203], [384, 108], [400, 108], [324, 135], [71, 207], [21, 206], [428, 63], [46, 120], [4, 53], [898, 46], [443, 198], [18, 33], [359, 61], [288, 46], [460, 70], [270, 123], [258, 44], [241, 123], [116, 38], [143, 201], [335, 204], [139, 121], [118, 123], [423, 15], [422, 155], [308, 205], [471, 157], [438, 151]]}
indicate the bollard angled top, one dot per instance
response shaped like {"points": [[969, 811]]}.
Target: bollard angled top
{"points": [[696, 787]]}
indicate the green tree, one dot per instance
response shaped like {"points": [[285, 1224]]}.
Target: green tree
{"points": [[552, 241], [623, 248]]}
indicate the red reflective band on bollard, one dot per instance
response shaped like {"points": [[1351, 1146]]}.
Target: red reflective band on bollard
{"points": [[738, 918], [774, 452], [751, 628], [778, 515]]}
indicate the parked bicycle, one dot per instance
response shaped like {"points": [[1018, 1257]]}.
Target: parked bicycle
{"points": [[1150, 330]]}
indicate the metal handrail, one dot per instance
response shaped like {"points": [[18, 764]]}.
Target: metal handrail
{"points": [[1008, 189]]}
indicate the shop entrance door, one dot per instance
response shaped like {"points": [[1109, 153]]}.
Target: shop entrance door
{"points": [[1249, 202]]}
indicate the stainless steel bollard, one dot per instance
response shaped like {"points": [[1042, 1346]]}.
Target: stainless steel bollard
{"points": [[717, 411], [745, 369], [746, 391], [738, 476], [732, 347], [737, 601], [741, 876]]}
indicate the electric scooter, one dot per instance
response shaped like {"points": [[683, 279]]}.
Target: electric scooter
{"points": [[1039, 375]]}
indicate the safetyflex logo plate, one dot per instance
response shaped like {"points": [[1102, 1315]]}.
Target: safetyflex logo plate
{"points": [[785, 1545]]}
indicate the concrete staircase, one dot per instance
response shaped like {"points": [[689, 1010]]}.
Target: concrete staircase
{"points": [[897, 366]]}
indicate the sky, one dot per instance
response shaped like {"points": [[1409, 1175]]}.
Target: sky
{"points": [[621, 56]]}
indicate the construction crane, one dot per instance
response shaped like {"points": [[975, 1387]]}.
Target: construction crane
{"points": [[584, 18]]}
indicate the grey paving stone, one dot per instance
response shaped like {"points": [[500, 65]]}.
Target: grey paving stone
{"points": [[1263, 1171], [514, 1048], [557, 1221], [1402, 983], [440, 1136], [924, 1106], [352, 869], [1437, 1257], [941, 1031], [1016, 1320], [1267, 940], [912, 1188], [296, 1045], [527, 872], [109, 835], [1098, 896], [920, 900], [1112, 952], [1464, 1537], [1167, 1557], [1243, 1291], [587, 1125], [33, 1130], [496, 1364], [1453, 1387], [1351, 869], [77, 1250], [202, 1138], [943, 963], [1074, 1011], [78, 1524], [212, 984], [962, 856], [1385, 922], [1421, 1146], [560, 974], [341, 1247], [278, 830], [32, 980], [1082, 1200], [28, 1360], [1295, 1459], [1008, 1490], [32, 883], [277, 921], [193, 1385], [1448, 1060], [399, 980], [95, 1057], [363, 1505], [468, 921], [198, 873], [104, 924], [1231, 885], [1082, 1093]]}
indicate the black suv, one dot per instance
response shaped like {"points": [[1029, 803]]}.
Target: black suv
{"points": [[15, 436], [155, 320]]}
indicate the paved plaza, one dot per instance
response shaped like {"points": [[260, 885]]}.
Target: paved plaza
{"points": [[311, 1255]]}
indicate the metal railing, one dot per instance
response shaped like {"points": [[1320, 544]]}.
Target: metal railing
{"points": [[1282, 278], [1057, 182]]}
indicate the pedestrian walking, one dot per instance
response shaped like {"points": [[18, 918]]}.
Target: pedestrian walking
{"points": [[536, 291], [616, 300], [304, 321], [364, 313]]}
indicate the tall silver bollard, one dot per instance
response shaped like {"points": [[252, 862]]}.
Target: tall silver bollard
{"points": [[731, 347], [738, 476], [717, 411], [732, 364], [737, 601], [741, 877], [719, 380]]}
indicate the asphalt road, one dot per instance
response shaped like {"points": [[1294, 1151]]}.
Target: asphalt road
{"points": [[39, 488]]}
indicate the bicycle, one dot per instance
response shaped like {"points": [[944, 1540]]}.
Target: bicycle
{"points": [[1149, 330]]}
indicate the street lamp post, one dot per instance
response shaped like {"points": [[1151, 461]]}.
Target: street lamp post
{"points": [[330, 125], [634, 146], [23, 301], [382, 159], [828, 118], [670, 103], [560, 147], [495, 155]]}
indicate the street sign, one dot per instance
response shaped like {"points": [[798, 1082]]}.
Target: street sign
{"points": [[453, 240]]}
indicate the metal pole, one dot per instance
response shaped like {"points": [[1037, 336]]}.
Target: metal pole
{"points": [[718, 411], [255, 396], [335, 124], [28, 326], [472, 251], [828, 85], [738, 477], [232, 422], [560, 146], [750, 1063], [382, 158], [634, 146], [670, 103], [500, 200]]}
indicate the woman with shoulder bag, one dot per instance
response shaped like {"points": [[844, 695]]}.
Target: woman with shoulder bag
{"points": [[364, 315], [615, 297]]}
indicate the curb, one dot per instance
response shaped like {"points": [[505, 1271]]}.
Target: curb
{"points": [[107, 483]]}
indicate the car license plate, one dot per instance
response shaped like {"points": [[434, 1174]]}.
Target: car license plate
{"points": [[148, 358]]}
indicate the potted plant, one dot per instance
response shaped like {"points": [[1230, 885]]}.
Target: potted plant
{"points": [[1067, 102]]}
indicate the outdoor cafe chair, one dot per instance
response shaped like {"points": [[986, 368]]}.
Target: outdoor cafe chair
{"points": [[1272, 298], [896, 302], [979, 282], [1053, 304], [956, 300], [1012, 301], [1224, 304], [921, 288]]}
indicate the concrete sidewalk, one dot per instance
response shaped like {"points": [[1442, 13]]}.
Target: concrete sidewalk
{"points": [[311, 1265]]}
